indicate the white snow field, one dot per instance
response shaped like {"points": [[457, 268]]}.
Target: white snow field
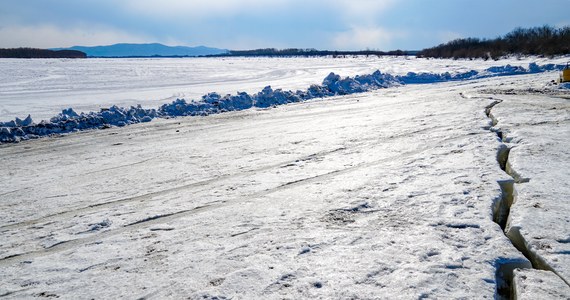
{"points": [[434, 191]]}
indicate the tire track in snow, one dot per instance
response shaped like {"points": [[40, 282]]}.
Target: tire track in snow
{"points": [[159, 219], [148, 196], [70, 244], [201, 127], [113, 168]]}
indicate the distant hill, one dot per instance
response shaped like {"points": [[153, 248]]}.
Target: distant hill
{"points": [[144, 50], [39, 53]]}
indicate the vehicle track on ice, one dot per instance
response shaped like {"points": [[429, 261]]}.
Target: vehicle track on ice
{"points": [[185, 185], [148, 196], [501, 212], [158, 219]]}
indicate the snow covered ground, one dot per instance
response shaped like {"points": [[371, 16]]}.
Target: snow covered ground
{"points": [[395, 193]]}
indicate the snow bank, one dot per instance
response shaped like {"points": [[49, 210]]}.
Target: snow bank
{"points": [[69, 121]]}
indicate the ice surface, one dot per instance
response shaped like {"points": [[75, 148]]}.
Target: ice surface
{"points": [[537, 284], [69, 121], [383, 194]]}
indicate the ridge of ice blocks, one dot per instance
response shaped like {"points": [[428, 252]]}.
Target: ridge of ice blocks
{"points": [[69, 121]]}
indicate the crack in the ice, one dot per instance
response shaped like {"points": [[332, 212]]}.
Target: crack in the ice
{"points": [[501, 213], [502, 207], [504, 276]]}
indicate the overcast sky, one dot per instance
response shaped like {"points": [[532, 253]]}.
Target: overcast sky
{"points": [[247, 24]]}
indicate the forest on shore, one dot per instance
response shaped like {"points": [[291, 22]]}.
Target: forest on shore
{"points": [[272, 52], [545, 40], [39, 53]]}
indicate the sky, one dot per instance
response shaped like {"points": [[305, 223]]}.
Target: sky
{"points": [[250, 24]]}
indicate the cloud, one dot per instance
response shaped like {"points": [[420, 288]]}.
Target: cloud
{"points": [[366, 37], [363, 10], [223, 23], [363, 7], [362, 21], [206, 9], [384, 24], [49, 36]]}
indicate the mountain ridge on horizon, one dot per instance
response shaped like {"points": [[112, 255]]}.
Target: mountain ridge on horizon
{"points": [[144, 50]]}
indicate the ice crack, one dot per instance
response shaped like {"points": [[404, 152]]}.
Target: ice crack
{"points": [[501, 212]]}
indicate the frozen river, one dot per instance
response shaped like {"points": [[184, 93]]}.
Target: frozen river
{"points": [[43, 87], [432, 191]]}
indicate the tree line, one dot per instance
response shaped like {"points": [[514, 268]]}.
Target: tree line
{"points": [[310, 52], [40, 53], [545, 40]]}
